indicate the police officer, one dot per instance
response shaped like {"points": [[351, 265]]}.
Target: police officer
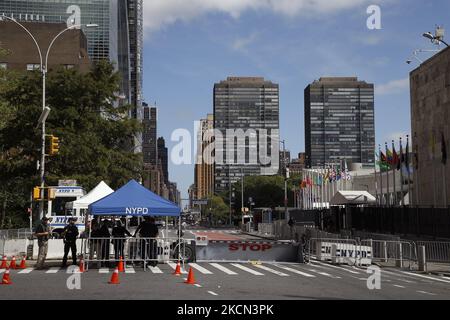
{"points": [[43, 234], [148, 229], [70, 235], [119, 231]]}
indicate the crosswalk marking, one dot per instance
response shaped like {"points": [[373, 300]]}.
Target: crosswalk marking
{"points": [[324, 274], [53, 270], [174, 266], [103, 270], [296, 271], [429, 293], [281, 274], [27, 270], [155, 269], [213, 293], [200, 268], [222, 268], [399, 286], [130, 270], [425, 277], [256, 273], [336, 267]]}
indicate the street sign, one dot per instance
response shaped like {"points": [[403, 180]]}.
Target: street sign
{"points": [[67, 183], [200, 202]]}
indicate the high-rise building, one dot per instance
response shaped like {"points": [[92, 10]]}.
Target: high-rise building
{"points": [[149, 135], [204, 170], [69, 52], [430, 118], [163, 159], [117, 38], [339, 122], [247, 107]]}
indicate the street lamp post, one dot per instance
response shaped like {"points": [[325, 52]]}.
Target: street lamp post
{"points": [[43, 66]]}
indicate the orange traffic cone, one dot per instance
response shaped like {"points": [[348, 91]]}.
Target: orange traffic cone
{"points": [[81, 267], [177, 270], [23, 264], [121, 268], [12, 264], [6, 279], [4, 263], [115, 277], [190, 279]]}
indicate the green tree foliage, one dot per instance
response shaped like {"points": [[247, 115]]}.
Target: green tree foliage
{"points": [[218, 209], [95, 136]]}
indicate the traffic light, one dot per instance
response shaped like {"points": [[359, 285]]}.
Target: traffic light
{"points": [[36, 193], [51, 194], [54, 145]]}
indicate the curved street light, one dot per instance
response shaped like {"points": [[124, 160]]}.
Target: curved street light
{"points": [[433, 38], [44, 72]]}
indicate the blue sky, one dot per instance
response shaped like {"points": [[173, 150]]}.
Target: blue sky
{"points": [[191, 44]]}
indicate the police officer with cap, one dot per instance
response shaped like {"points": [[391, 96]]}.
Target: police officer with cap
{"points": [[43, 234], [70, 235]]}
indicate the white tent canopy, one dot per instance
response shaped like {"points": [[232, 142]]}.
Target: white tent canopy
{"points": [[100, 191], [352, 197]]}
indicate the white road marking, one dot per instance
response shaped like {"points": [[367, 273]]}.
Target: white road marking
{"points": [[213, 293], [425, 277], [27, 270], [398, 276], [399, 286], [281, 274], [424, 292], [53, 270], [324, 274], [130, 270], [174, 266], [332, 266], [197, 285], [256, 273], [222, 268], [155, 269], [200, 268], [295, 271], [103, 270]]}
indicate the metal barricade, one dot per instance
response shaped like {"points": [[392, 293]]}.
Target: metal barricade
{"points": [[338, 251], [265, 228], [10, 234], [107, 252], [436, 251], [392, 253]]}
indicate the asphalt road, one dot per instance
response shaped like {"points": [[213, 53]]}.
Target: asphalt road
{"points": [[241, 281]]}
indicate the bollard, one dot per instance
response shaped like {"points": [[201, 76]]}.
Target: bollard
{"points": [[422, 260], [334, 259], [399, 261]]}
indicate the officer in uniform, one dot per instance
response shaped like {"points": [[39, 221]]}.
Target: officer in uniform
{"points": [[42, 234], [70, 235]]}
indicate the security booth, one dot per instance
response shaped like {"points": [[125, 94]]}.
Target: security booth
{"points": [[107, 243]]}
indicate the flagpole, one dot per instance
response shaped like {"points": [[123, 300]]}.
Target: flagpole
{"points": [[393, 173], [388, 201], [401, 172], [444, 163], [375, 178], [381, 176]]}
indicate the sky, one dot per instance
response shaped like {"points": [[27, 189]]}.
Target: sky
{"points": [[191, 44]]}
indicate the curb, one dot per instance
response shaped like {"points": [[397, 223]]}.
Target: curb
{"points": [[441, 274]]}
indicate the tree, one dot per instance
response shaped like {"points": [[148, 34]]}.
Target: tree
{"points": [[219, 210], [95, 135]]}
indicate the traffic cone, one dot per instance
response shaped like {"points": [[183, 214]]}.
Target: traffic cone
{"points": [[81, 267], [4, 263], [121, 268], [177, 270], [23, 264], [115, 277], [6, 279], [12, 264], [190, 278]]}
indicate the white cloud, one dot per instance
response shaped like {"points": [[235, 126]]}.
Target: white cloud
{"points": [[241, 44], [393, 87], [160, 13]]}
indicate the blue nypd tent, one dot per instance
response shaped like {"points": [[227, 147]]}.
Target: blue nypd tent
{"points": [[134, 200]]}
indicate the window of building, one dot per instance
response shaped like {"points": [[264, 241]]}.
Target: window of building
{"points": [[33, 66]]}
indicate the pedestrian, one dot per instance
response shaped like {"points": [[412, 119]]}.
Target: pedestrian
{"points": [[105, 237], [291, 224], [70, 235], [119, 231], [43, 234], [148, 231]]}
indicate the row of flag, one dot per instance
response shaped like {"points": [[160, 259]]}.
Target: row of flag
{"points": [[327, 176]]}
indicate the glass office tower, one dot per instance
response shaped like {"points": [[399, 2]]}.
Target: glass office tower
{"points": [[117, 38], [339, 122]]}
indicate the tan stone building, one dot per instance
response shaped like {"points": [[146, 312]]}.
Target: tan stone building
{"points": [[430, 121], [69, 50], [204, 171]]}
